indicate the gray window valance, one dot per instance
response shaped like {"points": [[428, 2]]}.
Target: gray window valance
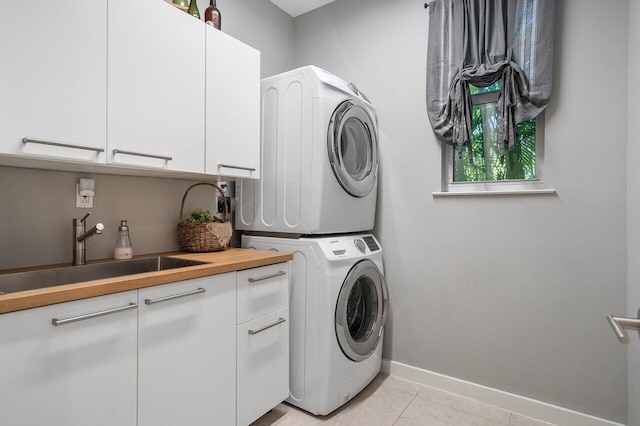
{"points": [[479, 42]]}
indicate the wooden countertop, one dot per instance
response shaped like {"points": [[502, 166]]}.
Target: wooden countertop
{"points": [[229, 260]]}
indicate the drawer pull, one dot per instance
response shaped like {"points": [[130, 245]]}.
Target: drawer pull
{"points": [[266, 277], [64, 321], [229, 166], [175, 296], [266, 327], [141, 154], [63, 145]]}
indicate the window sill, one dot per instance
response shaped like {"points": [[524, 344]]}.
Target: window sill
{"points": [[493, 193]]}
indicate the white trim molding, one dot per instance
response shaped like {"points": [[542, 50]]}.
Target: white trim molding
{"points": [[549, 191], [509, 401]]}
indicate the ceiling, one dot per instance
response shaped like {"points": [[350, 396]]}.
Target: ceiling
{"points": [[299, 7]]}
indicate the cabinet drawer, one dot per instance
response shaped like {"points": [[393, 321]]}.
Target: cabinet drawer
{"points": [[263, 365], [262, 290]]}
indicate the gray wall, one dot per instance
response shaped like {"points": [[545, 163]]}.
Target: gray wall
{"points": [[36, 206], [633, 210], [261, 24], [507, 292]]}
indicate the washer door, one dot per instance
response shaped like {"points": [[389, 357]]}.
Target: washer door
{"points": [[353, 148], [361, 310]]}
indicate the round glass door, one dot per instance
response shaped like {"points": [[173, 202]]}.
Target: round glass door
{"points": [[361, 311], [353, 148]]}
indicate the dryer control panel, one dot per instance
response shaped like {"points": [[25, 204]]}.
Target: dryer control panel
{"points": [[349, 246]]}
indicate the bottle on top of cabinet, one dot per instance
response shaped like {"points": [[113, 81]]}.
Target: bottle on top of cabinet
{"points": [[181, 4], [123, 249], [212, 15], [193, 9]]}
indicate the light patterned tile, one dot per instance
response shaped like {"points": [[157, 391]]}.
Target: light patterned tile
{"points": [[288, 415], [389, 400], [300, 418], [376, 410], [397, 383], [272, 416], [407, 421], [388, 387], [423, 411], [520, 420], [467, 405]]}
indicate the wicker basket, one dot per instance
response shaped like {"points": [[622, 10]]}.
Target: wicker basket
{"points": [[204, 237]]}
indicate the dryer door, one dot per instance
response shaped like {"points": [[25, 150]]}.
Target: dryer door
{"points": [[361, 310], [352, 144]]}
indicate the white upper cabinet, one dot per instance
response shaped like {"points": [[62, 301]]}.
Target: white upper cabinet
{"points": [[53, 81], [132, 84], [232, 107], [156, 86]]}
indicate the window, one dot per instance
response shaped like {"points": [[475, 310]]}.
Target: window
{"points": [[520, 167]]}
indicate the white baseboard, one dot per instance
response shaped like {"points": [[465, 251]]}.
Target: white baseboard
{"points": [[512, 402]]}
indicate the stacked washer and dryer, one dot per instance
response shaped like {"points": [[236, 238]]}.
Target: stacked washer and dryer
{"points": [[317, 200]]}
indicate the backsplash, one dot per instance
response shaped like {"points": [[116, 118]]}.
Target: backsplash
{"points": [[37, 208]]}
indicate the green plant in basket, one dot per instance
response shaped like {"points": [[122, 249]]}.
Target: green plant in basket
{"points": [[199, 216]]}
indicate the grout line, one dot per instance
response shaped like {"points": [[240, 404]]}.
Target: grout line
{"points": [[405, 408]]}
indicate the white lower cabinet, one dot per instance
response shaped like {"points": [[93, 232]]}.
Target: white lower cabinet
{"points": [[186, 352], [263, 340], [172, 354], [263, 365], [78, 373]]}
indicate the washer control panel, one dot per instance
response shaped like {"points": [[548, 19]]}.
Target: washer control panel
{"points": [[371, 243], [346, 247]]}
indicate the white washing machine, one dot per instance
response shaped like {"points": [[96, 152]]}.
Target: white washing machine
{"points": [[319, 158], [338, 307]]}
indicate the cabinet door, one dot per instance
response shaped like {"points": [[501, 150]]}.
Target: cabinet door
{"points": [[187, 353], [53, 81], [156, 86], [263, 365], [233, 107], [74, 374]]}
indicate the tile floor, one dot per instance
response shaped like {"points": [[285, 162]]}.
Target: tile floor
{"points": [[390, 401]]}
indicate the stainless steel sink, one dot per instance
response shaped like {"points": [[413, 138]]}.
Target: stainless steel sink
{"points": [[21, 281]]}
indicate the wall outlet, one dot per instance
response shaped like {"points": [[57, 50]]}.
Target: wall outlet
{"points": [[83, 202]]}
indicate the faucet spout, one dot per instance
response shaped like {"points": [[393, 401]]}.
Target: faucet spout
{"points": [[80, 236], [97, 229]]}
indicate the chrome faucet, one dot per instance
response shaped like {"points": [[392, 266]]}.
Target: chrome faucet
{"points": [[80, 236]]}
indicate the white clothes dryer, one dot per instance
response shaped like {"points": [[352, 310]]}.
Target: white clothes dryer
{"points": [[319, 158], [338, 308]]}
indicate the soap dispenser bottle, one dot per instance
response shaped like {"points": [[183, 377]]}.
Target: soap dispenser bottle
{"points": [[123, 249]]}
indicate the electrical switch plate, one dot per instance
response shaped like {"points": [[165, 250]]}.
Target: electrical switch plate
{"points": [[83, 202]]}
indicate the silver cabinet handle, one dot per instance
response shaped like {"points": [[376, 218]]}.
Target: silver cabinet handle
{"points": [[619, 324], [63, 145], [229, 166], [142, 154], [175, 296], [266, 327], [64, 321], [266, 277]]}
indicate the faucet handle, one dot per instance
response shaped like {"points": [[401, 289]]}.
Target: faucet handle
{"points": [[99, 228], [85, 217]]}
